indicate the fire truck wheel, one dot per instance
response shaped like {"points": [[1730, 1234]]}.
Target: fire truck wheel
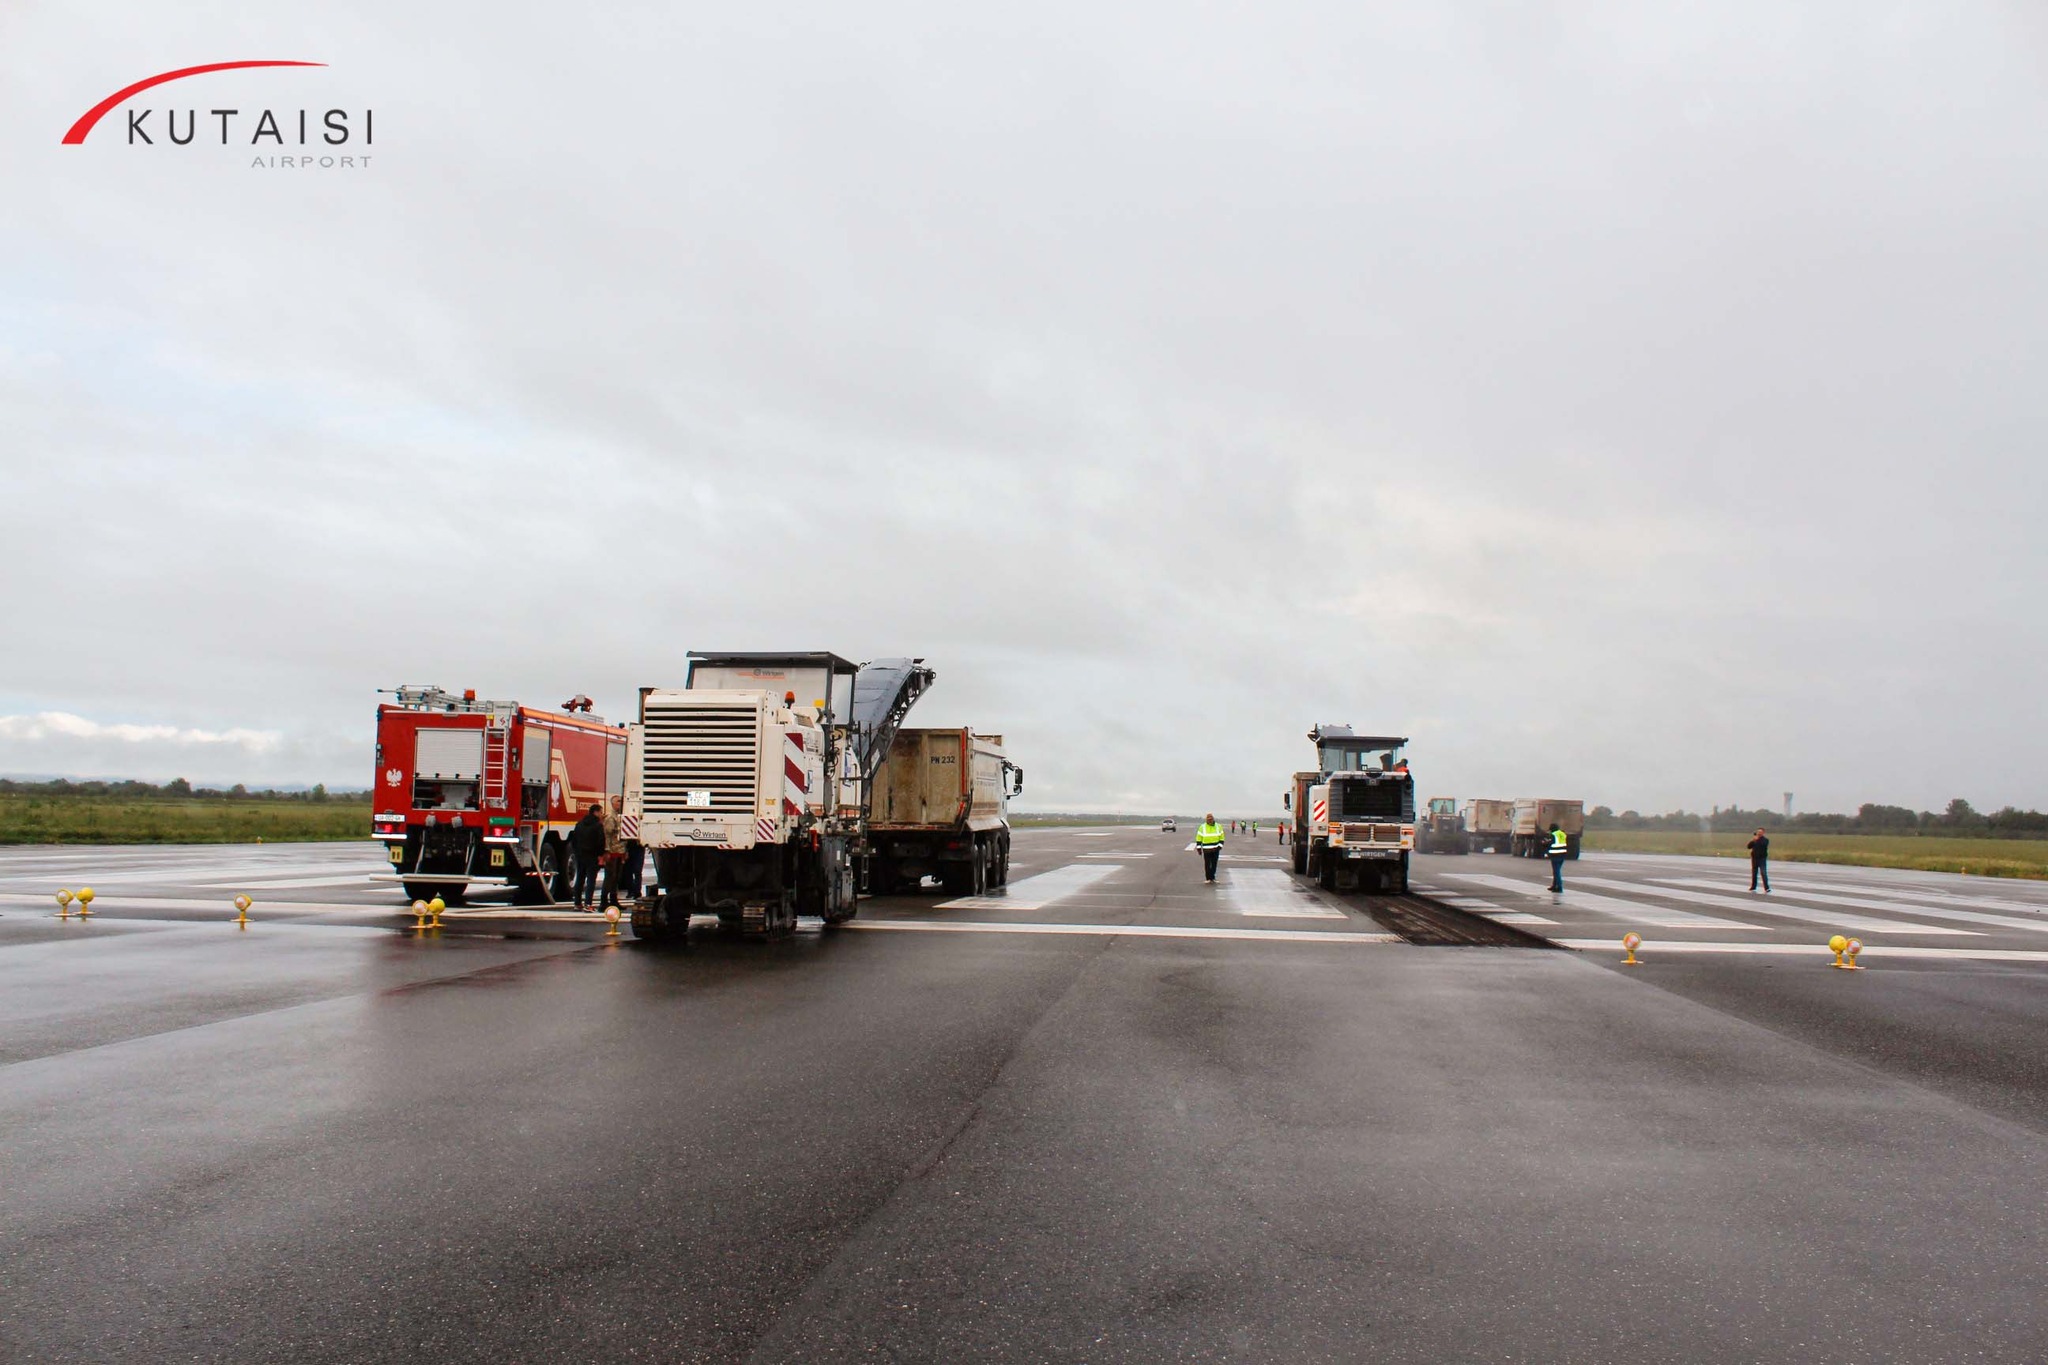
{"points": [[554, 870], [1326, 874], [1300, 861], [957, 878], [423, 891]]}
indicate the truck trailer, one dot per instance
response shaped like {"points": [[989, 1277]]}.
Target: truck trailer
{"points": [[1533, 819], [941, 809], [475, 792], [1489, 825], [750, 785], [1355, 816]]}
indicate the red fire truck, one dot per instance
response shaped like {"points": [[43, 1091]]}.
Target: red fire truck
{"points": [[471, 792]]}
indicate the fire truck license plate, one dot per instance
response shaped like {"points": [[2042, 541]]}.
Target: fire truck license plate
{"points": [[397, 853], [696, 798]]}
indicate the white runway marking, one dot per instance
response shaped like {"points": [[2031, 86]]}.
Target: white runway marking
{"points": [[1112, 855], [1821, 956], [1122, 930], [1831, 919], [1920, 908], [1633, 911], [1097, 833], [1034, 893], [1487, 908], [361, 879], [225, 904], [1270, 893]]}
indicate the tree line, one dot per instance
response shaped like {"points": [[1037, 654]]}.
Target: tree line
{"points": [[1960, 819], [176, 789]]}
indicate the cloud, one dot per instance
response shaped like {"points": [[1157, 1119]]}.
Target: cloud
{"points": [[1625, 403], [63, 725]]}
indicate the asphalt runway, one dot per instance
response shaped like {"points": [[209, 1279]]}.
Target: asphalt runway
{"points": [[1112, 1114]]}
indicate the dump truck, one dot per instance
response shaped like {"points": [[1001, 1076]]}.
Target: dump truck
{"points": [[1354, 817], [473, 793], [941, 809], [1441, 829], [1533, 819], [750, 785], [1489, 825]]}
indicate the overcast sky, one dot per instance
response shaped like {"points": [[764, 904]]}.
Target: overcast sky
{"points": [[1626, 401]]}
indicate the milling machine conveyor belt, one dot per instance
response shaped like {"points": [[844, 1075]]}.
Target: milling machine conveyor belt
{"points": [[883, 692]]}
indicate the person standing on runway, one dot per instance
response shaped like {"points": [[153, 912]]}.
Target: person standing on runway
{"points": [[1209, 840], [586, 841], [1560, 849], [1760, 861], [614, 850]]}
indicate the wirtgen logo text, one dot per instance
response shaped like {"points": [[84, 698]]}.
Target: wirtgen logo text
{"points": [[268, 132]]}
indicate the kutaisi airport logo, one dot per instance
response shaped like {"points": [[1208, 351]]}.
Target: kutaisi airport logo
{"points": [[274, 139]]}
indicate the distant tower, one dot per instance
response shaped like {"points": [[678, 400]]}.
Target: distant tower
{"points": [[1788, 805]]}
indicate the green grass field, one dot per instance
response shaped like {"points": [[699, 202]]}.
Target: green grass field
{"points": [[97, 820], [1929, 853]]}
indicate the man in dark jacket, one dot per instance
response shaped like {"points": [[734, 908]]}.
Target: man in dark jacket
{"points": [[586, 841], [1760, 860]]}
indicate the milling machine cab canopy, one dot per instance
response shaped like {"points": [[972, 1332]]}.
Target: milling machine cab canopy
{"points": [[1340, 750], [860, 705], [815, 679]]}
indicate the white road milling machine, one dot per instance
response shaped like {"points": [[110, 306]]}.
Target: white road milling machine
{"points": [[750, 785], [1354, 816]]}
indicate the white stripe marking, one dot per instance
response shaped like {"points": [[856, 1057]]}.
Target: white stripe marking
{"points": [[1121, 930], [1487, 908], [1270, 893], [1923, 910], [1821, 955], [102, 904], [1633, 911], [1828, 918], [1034, 893], [284, 883]]}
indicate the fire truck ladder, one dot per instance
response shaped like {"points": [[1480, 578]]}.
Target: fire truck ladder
{"points": [[497, 760]]}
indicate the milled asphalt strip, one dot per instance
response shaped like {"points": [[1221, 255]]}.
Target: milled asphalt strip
{"points": [[1119, 930]]}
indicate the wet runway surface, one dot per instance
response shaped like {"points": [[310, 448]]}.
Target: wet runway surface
{"points": [[1112, 1114]]}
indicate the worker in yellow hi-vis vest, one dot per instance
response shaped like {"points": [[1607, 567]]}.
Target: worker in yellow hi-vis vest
{"points": [[1560, 849], [1209, 840]]}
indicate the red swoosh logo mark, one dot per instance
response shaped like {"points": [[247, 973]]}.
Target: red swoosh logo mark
{"points": [[104, 107]]}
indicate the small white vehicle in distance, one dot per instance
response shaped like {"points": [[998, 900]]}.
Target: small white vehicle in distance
{"points": [[1167, 826]]}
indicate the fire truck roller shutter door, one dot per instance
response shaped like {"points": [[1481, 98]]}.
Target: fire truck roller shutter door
{"points": [[615, 768], [449, 755]]}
